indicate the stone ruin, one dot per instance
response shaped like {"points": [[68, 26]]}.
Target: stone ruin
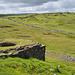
{"points": [[34, 50]]}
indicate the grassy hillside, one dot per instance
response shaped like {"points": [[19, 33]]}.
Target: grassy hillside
{"points": [[54, 41], [54, 21], [57, 44], [19, 66]]}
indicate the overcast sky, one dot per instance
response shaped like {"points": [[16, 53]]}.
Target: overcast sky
{"points": [[36, 6]]}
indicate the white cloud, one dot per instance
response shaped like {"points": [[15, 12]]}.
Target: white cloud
{"points": [[68, 3], [37, 6]]}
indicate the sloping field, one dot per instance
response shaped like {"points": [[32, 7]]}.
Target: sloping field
{"points": [[58, 44], [55, 41], [54, 21], [19, 66]]}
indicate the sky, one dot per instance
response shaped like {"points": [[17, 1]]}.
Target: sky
{"points": [[36, 6]]}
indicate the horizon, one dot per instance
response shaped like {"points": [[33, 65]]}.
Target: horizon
{"points": [[34, 13]]}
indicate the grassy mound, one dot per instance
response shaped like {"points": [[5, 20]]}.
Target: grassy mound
{"points": [[19, 66]]}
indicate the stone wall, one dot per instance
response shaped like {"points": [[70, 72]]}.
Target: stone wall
{"points": [[36, 51]]}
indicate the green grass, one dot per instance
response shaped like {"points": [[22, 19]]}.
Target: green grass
{"points": [[57, 43], [54, 21], [18, 42], [54, 41], [18, 66]]}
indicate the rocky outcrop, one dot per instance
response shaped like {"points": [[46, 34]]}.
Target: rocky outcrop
{"points": [[36, 51]]}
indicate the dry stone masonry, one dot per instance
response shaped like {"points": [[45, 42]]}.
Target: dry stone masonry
{"points": [[35, 50]]}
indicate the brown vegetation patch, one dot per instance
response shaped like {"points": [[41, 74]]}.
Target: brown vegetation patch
{"points": [[6, 44]]}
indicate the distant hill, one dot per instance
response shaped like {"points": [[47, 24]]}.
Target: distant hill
{"points": [[54, 21]]}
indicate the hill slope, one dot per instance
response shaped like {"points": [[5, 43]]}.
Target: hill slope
{"points": [[53, 21], [57, 44], [19, 66], [54, 41]]}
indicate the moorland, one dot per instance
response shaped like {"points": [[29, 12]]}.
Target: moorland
{"points": [[60, 46]]}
